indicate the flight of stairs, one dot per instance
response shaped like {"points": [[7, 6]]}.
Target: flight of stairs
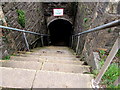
{"points": [[46, 67]]}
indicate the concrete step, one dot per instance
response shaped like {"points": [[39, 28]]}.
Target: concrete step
{"points": [[52, 50], [23, 78], [65, 50], [53, 47], [50, 53], [34, 64], [21, 64], [48, 79], [30, 58], [43, 58], [16, 78], [58, 58], [68, 68], [76, 62], [44, 52]]}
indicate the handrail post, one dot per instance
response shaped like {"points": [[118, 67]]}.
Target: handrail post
{"points": [[109, 59], [72, 41], [27, 45], [48, 40], [77, 47], [42, 41], [75, 40]]}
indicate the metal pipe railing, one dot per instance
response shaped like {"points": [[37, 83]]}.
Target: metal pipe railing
{"points": [[108, 25], [112, 53], [24, 31], [42, 43], [15, 29], [109, 59], [26, 41]]}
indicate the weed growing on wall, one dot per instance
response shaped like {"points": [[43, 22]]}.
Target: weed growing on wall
{"points": [[85, 20], [21, 17]]}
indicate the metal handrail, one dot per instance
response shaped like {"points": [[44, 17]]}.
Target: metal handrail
{"points": [[111, 55], [109, 59], [24, 31], [108, 25], [20, 30]]}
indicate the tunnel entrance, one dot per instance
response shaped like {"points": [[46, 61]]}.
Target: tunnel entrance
{"points": [[60, 32]]}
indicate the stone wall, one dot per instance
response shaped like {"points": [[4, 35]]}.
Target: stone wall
{"points": [[69, 10], [90, 15], [84, 17], [34, 21]]}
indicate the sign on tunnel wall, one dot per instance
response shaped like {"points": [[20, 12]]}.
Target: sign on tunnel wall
{"points": [[58, 11]]}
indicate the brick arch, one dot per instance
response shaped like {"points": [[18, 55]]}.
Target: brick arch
{"points": [[52, 18]]}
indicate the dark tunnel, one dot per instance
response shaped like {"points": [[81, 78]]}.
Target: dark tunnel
{"points": [[60, 32]]}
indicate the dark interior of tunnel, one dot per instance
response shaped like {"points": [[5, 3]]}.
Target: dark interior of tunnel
{"points": [[60, 32]]}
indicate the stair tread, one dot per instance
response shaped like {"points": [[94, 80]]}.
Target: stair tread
{"points": [[66, 61], [61, 80], [22, 78], [16, 78], [65, 67], [35, 64], [21, 58], [21, 64], [59, 58], [41, 58], [39, 54]]}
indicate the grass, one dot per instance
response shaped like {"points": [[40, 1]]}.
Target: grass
{"points": [[21, 17], [6, 57], [111, 74], [113, 86]]}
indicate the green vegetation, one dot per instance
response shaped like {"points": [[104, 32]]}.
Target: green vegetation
{"points": [[21, 17], [118, 53], [85, 20], [6, 57], [111, 74], [113, 86], [102, 52], [110, 30]]}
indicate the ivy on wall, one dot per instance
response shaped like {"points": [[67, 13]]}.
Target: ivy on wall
{"points": [[21, 17]]}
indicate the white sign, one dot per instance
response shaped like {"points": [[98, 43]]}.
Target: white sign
{"points": [[58, 12]]}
